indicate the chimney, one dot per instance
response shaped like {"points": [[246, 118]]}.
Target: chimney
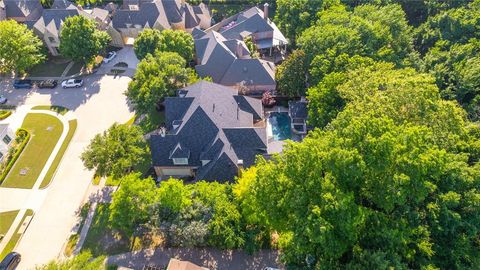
{"points": [[240, 167], [265, 11]]}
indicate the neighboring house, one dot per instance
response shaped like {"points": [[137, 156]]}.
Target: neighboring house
{"points": [[7, 136], [211, 133], [48, 26], [22, 10], [253, 23], [158, 14], [228, 62], [175, 264]]}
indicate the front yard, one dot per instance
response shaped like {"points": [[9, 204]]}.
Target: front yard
{"points": [[6, 220], [53, 67], [45, 131], [16, 236]]}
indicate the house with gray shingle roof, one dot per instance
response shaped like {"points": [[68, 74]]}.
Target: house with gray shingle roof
{"points": [[22, 10], [228, 62], [252, 23], [157, 14], [48, 26], [211, 133]]}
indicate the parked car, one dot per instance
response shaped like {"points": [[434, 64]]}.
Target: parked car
{"points": [[109, 57], [27, 84], [72, 83], [47, 84], [11, 261], [3, 100]]}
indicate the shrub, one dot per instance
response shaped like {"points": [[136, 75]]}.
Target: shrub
{"points": [[21, 133], [268, 100], [5, 114]]}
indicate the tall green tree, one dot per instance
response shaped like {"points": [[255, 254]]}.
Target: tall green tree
{"points": [[294, 16], [20, 49], [80, 40], [381, 33], [381, 187], [177, 41], [131, 203], [147, 42], [82, 261], [291, 75], [158, 76], [115, 151]]}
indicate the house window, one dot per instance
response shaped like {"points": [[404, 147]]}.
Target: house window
{"points": [[7, 139], [1, 155], [51, 39], [180, 161]]}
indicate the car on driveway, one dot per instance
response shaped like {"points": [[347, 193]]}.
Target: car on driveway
{"points": [[11, 261], [109, 57], [27, 84], [3, 100], [47, 84], [72, 83]]}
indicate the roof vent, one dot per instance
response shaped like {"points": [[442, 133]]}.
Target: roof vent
{"points": [[245, 69], [182, 93]]}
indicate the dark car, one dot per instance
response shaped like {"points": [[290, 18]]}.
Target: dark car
{"points": [[11, 261], [17, 84], [47, 84]]}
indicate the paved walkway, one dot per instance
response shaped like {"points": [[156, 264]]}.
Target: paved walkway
{"points": [[97, 105], [31, 198], [213, 259]]}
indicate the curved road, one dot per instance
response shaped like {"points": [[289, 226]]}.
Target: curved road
{"points": [[96, 106]]}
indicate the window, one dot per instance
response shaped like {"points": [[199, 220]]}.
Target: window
{"points": [[7, 139], [180, 161], [1, 155], [51, 39]]}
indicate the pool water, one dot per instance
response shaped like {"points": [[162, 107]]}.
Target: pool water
{"points": [[280, 124]]}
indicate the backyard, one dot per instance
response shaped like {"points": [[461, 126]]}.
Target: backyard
{"points": [[45, 132]]}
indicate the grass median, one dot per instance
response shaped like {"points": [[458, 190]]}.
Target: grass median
{"points": [[72, 126], [45, 131], [15, 237]]}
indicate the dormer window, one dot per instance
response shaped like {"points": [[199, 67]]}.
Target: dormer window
{"points": [[205, 162], [180, 161]]}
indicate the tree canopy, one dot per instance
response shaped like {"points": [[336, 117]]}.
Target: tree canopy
{"points": [[291, 75], [80, 40], [115, 151], [20, 49], [147, 42], [83, 261], [381, 187], [158, 76]]}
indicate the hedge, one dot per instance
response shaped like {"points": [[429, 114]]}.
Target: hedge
{"points": [[5, 114], [16, 155]]}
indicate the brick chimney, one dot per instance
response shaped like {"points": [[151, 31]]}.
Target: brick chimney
{"points": [[265, 11]]}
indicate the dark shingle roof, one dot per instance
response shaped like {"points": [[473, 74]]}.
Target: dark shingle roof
{"points": [[298, 109], [217, 127], [228, 62], [30, 9]]}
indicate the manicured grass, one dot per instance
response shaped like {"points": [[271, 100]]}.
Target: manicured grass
{"points": [[152, 121], [51, 68], [4, 114], [45, 130], [72, 126], [54, 108], [15, 237], [75, 69], [101, 240], [6, 220], [71, 244]]}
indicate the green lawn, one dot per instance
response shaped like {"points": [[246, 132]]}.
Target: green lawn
{"points": [[45, 131], [53, 67], [54, 108], [15, 237], [72, 126], [6, 220], [100, 238], [75, 69], [152, 121]]}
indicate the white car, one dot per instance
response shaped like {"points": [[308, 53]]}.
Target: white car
{"points": [[3, 100], [72, 83], [109, 57]]}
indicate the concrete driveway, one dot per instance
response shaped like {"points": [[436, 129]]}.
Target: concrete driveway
{"points": [[96, 106]]}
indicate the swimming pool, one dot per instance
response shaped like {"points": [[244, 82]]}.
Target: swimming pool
{"points": [[280, 126]]}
